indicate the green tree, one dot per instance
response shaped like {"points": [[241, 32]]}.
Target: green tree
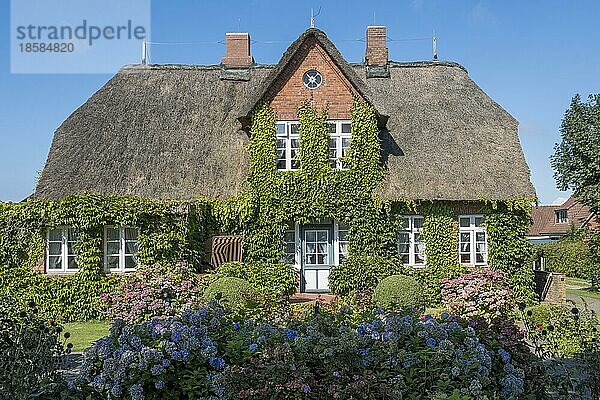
{"points": [[576, 159], [576, 162]]}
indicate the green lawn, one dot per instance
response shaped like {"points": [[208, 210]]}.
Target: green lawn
{"points": [[581, 287], [577, 282], [83, 334], [584, 293]]}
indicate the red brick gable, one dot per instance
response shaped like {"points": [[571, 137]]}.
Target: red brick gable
{"points": [[335, 92]]}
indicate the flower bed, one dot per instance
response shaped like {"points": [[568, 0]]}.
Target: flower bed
{"points": [[204, 354]]}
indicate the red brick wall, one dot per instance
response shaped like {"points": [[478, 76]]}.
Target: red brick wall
{"points": [[336, 92], [40, 265]]}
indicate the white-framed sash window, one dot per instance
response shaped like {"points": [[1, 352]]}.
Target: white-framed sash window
{"points": [[120, 247], [341, 237], [411, 247], [292, 244], [289, 246], [60, 250], [288, 145], [340, 133], [472, 246]]}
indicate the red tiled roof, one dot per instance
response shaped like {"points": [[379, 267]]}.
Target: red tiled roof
{"points": [[544, 218]]}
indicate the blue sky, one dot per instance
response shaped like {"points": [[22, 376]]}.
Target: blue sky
{"points": [[529, 56]]}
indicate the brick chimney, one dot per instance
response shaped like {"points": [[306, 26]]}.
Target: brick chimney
{"points": [[237, 50], [377, 52]]}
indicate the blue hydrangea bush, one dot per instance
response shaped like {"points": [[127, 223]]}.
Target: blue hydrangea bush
{"points": [[170, 358], [206, 355]]}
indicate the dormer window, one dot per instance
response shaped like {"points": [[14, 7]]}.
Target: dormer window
{"points": [[340, 133], [561, 216], [288, 144]]}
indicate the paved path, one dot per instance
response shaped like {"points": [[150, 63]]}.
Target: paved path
{"points": [[593, 304], [72, 366]]}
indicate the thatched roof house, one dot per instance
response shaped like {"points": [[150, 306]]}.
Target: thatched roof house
{"points": [[178, 131]]}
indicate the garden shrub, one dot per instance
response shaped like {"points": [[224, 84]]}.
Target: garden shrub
{"points": [[31, 349], [360, 273], [232, 292], [482, 293], [75, 297], [399, 292], [565, 330], [155, 291], [203, 354], [278, 279], [172, 358], [567, 340], [570, 257]]}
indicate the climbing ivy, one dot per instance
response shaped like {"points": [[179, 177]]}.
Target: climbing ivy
{"points": [[440, 233], [507, 225], [271, 202], [169, 231], [276, 199]]}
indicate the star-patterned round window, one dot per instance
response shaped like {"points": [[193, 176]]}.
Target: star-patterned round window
{"points": [[312, 79]]}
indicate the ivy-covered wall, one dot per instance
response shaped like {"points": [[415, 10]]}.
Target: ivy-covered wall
{"points": [[169, 231], [173, 230], [316, 191], [276, 199]]}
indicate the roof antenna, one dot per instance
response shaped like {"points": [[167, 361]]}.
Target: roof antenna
{"points": [[239, 22], [144, 51], [312, 17], [373, 18], [435, 55]]}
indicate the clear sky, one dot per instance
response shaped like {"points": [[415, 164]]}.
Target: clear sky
{"points": [[530, 56]]}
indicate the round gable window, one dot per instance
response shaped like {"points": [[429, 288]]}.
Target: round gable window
{"points": [[312, 79]]}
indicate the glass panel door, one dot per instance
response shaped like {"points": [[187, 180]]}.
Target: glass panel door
{"points": [[317, 258]]}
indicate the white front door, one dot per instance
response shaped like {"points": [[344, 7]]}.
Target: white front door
{"points": [[317, 258]]}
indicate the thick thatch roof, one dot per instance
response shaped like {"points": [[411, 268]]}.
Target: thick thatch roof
{"points": [[174, 132], [154, 131], [447, 139]]}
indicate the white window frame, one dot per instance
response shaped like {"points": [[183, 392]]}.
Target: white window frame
{"points": [[338, 242], [64, 251], [297, 245], [339, 137], [122, 247], [412, 242], [559, 214], [287, 137], [473, 230]]}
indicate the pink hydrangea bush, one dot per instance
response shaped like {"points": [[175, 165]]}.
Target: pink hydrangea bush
{"points": [[155, 291], [479, 294]]}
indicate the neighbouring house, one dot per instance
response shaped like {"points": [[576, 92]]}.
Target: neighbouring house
{"points": [[413, 160], [552, 222], [557, 254]]}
